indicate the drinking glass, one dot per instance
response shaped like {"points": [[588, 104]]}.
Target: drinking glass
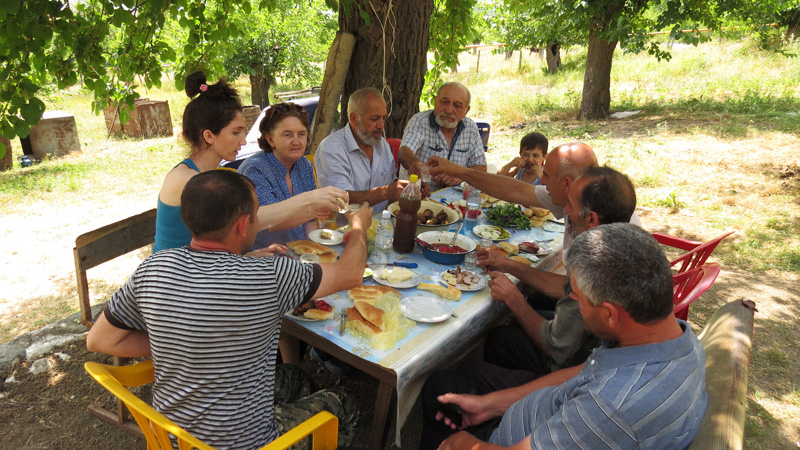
{"points": [[309, 258], [469, 261]]}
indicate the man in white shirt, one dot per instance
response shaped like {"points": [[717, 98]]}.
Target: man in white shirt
{"points": [[357, 158]]}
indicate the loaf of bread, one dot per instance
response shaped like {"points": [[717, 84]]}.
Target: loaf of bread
{"points": [[447, 293], [326, 254], [509, 248]]}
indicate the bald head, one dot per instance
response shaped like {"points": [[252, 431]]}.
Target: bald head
{"points": [[573, 159]]}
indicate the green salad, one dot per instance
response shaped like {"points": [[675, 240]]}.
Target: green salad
{"points": [[508, 215]]}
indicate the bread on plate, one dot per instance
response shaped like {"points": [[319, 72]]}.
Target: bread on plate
{"points": [[326, 254], [447, 293]]}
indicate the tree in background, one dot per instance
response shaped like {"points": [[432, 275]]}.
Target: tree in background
{"points": [[390, 53], [288, 40], [111, 45], [601, 25]]}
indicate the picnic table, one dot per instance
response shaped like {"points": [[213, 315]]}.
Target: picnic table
{"points": [[427, 347]]}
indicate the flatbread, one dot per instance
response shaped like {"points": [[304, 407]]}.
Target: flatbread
{"points": [[318, 314], [371, 313], [447, 293], [326, 254], [521, 259], [360, 323], [371, 294]]}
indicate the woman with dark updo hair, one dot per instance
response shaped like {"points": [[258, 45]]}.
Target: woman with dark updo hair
{"points": [[214, 127], [281, 171]]}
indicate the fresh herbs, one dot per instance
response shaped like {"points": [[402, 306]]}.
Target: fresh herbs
{"points": [[508, 215]]}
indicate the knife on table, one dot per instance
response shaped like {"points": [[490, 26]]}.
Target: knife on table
{"points": [[409, 265]]}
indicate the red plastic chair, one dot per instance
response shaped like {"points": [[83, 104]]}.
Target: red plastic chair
{"points": [[395, 143], [689, 285], [697, 253]]}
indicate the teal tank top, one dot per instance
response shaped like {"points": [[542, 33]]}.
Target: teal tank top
{"points": [[170, 230]]}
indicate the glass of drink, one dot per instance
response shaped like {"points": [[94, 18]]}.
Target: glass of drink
{"points": [[470, 260], [309, 258], [425, 174], [486, 243]]}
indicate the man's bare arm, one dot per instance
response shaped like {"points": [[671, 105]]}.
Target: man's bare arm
{"points": [[498, 186], [108, 339]]}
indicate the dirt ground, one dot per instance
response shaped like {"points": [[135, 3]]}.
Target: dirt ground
{"points": [[49, 411]]}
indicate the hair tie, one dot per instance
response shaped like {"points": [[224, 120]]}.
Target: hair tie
{"points": [[203, 87]]}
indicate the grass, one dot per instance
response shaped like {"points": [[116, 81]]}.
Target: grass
{"points": [[712, 150]]}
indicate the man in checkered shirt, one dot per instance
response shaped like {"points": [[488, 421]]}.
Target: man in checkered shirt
{"points": [[444, 131]]}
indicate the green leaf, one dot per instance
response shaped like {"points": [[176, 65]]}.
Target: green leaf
{"points": [[32, 111], [22, 129], [364, 15], [10, 6]]}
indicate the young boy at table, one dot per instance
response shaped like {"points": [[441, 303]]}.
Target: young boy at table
{"points": [[527, 166]]}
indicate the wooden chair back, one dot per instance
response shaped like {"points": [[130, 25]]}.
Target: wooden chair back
{"points": [[106, 243]]}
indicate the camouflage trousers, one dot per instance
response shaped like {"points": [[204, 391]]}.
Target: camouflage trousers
{"points": [[296, 401]]}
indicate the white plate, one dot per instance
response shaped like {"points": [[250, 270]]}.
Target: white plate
{"points": [[467, 287], [413, 282], [316, 236], [552, 226], [480, 230], [425, 309], [304, 319]]}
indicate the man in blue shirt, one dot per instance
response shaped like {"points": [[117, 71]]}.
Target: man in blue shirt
{"points": [[644, 389]]}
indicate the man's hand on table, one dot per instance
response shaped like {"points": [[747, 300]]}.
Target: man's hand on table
{"points": [[505, 291], [272, 250], [473, 411], [491, 260]]}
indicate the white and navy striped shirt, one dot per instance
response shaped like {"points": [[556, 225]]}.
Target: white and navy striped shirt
{"points": [[642, 397], [213, 319]]}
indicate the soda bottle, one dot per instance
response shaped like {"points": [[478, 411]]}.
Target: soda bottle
{"points": [[384, 235], [405, 229]]}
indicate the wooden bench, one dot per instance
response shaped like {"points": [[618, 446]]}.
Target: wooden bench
{"points": [[727, 339]]}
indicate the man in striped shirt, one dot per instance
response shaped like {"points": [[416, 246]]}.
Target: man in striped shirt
{"points": [[644, 389], [211, 318]]}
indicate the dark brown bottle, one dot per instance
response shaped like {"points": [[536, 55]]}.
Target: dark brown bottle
{"points": [[405, 227]]}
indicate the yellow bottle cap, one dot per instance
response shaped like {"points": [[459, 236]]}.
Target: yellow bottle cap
{"points": [[413, 178]]}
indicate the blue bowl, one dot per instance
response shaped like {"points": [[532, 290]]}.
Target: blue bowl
{"points": [[444, 237]]}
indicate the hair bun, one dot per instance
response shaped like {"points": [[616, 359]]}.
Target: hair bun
{"points": [[193, 83]]}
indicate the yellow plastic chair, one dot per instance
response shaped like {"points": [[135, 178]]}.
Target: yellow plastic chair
{"points": [[324, 427]]}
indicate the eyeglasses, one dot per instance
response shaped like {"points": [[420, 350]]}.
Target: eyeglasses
{"points": [[280, 109]]}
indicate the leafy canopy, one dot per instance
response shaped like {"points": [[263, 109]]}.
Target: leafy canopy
{"points": [[110, 44]]}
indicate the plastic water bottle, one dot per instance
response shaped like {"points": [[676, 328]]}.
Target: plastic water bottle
{"points": [[384, 235]]}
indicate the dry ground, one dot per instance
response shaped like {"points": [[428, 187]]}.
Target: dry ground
{"points": [[49, 411]]}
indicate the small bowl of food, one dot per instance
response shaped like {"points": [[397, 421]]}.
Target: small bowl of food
{"points": [[438, 250]]}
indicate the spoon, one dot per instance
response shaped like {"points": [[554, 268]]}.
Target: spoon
{"points": [[456, 235]]}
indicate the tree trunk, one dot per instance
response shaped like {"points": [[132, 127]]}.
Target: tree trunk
{"points": [[597, 78], [259, 89], [553, 57], [402, 57]]}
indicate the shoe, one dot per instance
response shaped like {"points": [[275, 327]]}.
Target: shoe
{"points": [[333, 365]]}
